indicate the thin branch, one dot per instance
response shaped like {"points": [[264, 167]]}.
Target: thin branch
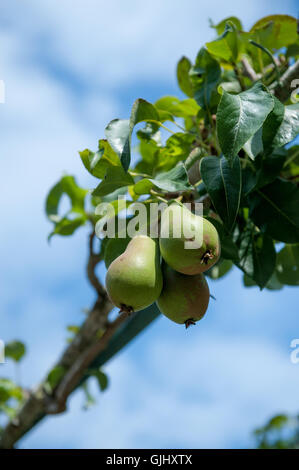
{"points": [[93, 261], [249, 71], [37, 403]]}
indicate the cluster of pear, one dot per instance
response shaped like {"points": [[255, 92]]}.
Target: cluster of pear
{"points": [[135, 279]]}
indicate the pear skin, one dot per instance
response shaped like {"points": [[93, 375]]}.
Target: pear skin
{"points": [[173, 249], [184, 299], [134, 279]]}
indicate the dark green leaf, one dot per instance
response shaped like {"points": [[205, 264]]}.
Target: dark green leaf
{"points": [[115, 178], [67, 185], [220, 269], [119, 131], [269, 167], [185, 84], [272, 284], [289, 127], [223, 183], [67, 227], [257, 256], [287, 265], [254, 146], [101, 378], [15, 350], [272, 124], [173, 180], [240, 116], [54, 377], [98, 162], [205, 77], [274, 209]]}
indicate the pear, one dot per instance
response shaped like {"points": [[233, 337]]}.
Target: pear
{"points": [[179, 227], [134, 279], [184, 299]]}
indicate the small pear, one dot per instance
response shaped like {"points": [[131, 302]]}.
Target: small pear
{"points": [[179, 229], [184, 299], [134, 279]]}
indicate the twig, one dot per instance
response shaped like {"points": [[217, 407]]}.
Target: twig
{"points": [[249, 70], [93, 261]]}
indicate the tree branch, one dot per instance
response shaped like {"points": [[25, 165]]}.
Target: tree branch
{"points": [[249, 71], [283, 89], [74, 360]]}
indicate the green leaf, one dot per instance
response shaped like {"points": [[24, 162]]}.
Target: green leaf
{"points": [[115, 178], [54, 377], [101, 378], [220, 27], [220, 269], [15, 350], [171, 106], [274, 209], [276, 31], [269, 167], [272, 124], [257, 256], [185, 84], [272, 284], [226, 46], [223, 183], [240, 116], [177, 148], [66, 227], [205, 76], [254, 146], [97, 163], [287, 265], [173, 180], [291, 165], [8, 390], [67, 185], [119, 131], [289, 127]]}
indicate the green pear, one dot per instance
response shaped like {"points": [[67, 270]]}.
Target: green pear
{"points": [[134, 279], [181, 229], [184, 299]]}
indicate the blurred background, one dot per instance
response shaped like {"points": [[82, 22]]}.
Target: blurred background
{"points": [[69, 68]]}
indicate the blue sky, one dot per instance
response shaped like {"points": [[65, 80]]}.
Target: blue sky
{"points": [[69, 68]]}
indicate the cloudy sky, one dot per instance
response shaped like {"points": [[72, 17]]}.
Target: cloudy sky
{"points": [[69, 68]]}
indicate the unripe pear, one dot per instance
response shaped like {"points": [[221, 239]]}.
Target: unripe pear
{"points": [[181, 229], [134, 279], [184, 299]]}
